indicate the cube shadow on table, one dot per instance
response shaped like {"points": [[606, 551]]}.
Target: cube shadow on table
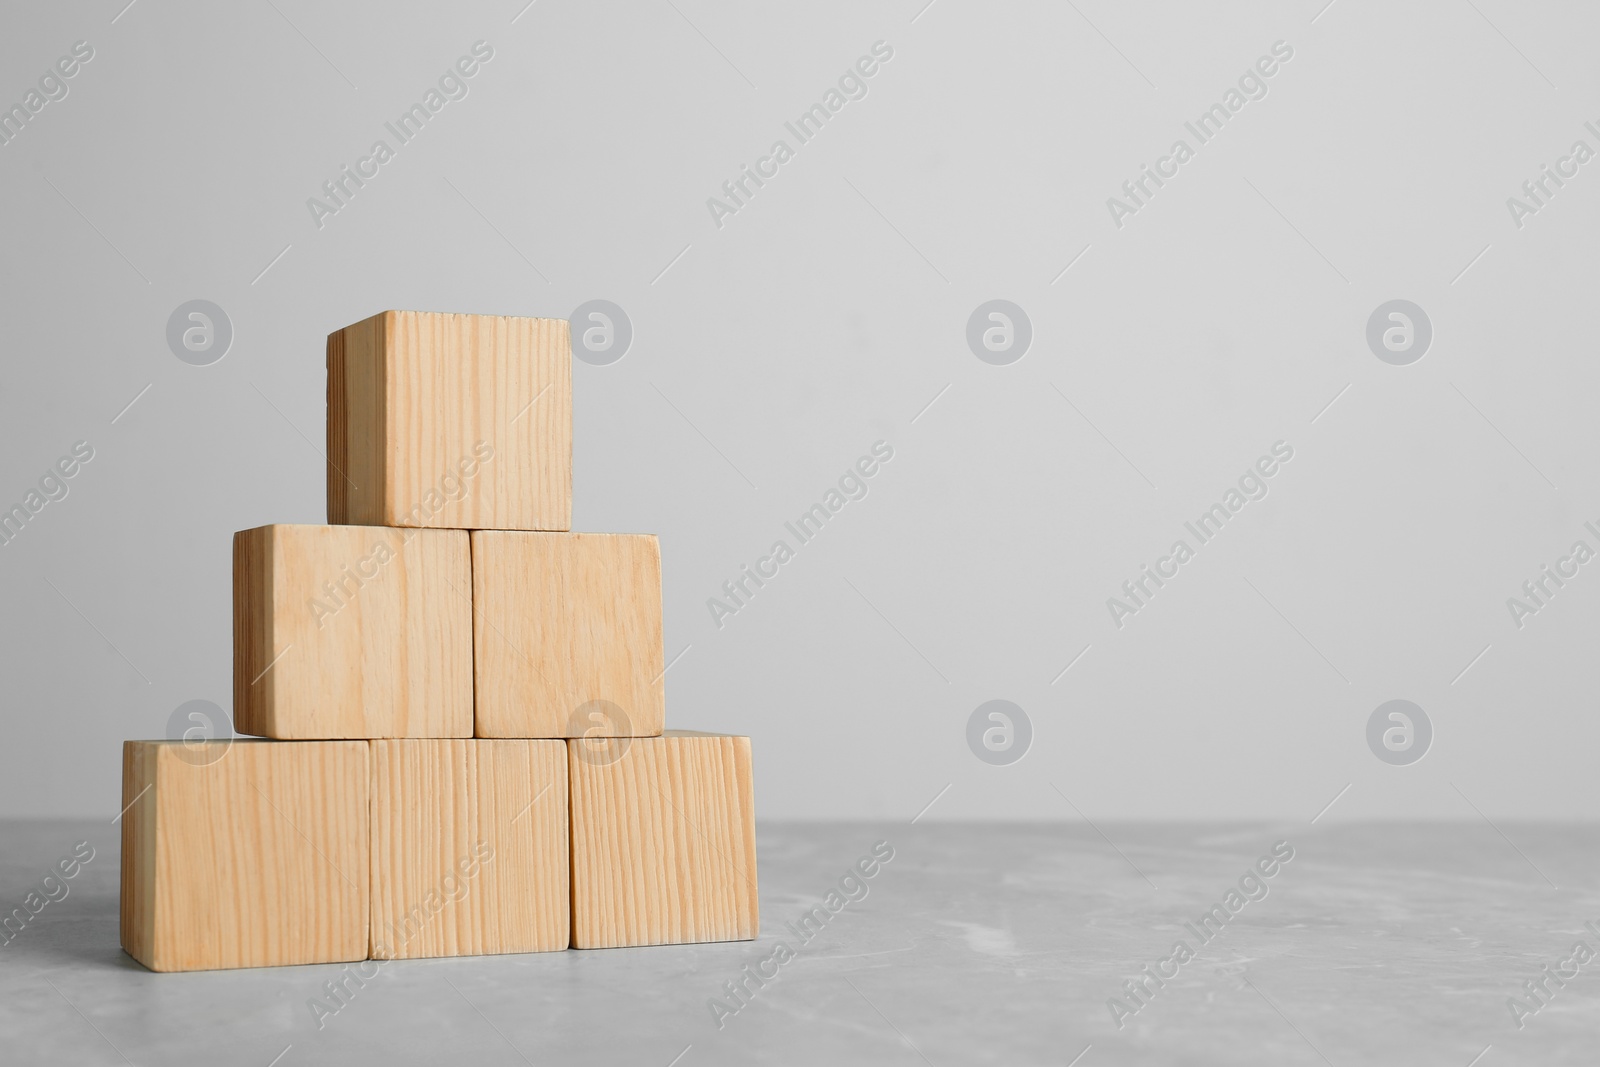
{"points": [[663, 840], [352, 632], [567, 634], [244, 854]]}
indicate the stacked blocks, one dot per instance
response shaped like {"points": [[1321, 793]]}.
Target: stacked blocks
{"points": [[453, 421], [464, 700], [352, 631], [593, 603], [481, 824], [663, 841], [253, 859]]}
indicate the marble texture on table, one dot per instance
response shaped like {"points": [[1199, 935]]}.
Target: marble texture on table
{"points": [[976, 944]]}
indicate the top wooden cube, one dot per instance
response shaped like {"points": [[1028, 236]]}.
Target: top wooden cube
{"points": [[455, 421]]}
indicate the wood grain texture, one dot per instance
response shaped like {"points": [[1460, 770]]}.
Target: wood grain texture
{"points": [[357, 383], [469, 848], [663, 840], [444, 420], [137, 916], [567, 634], [352, 632], [249, 855]]}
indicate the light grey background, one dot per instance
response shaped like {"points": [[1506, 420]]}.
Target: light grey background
{"points": [[770, 353]]}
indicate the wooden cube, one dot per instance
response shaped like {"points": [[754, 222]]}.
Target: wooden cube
{"points": [[352, 631], [567, 634], [460, 421], [253, 855], [663, 840], [469, 848]]}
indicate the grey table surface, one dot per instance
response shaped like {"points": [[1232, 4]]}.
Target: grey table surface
{"points": [[975, 944]]}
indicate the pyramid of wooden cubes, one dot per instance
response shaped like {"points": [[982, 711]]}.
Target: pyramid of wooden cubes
{"points": [[458, 703]]}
